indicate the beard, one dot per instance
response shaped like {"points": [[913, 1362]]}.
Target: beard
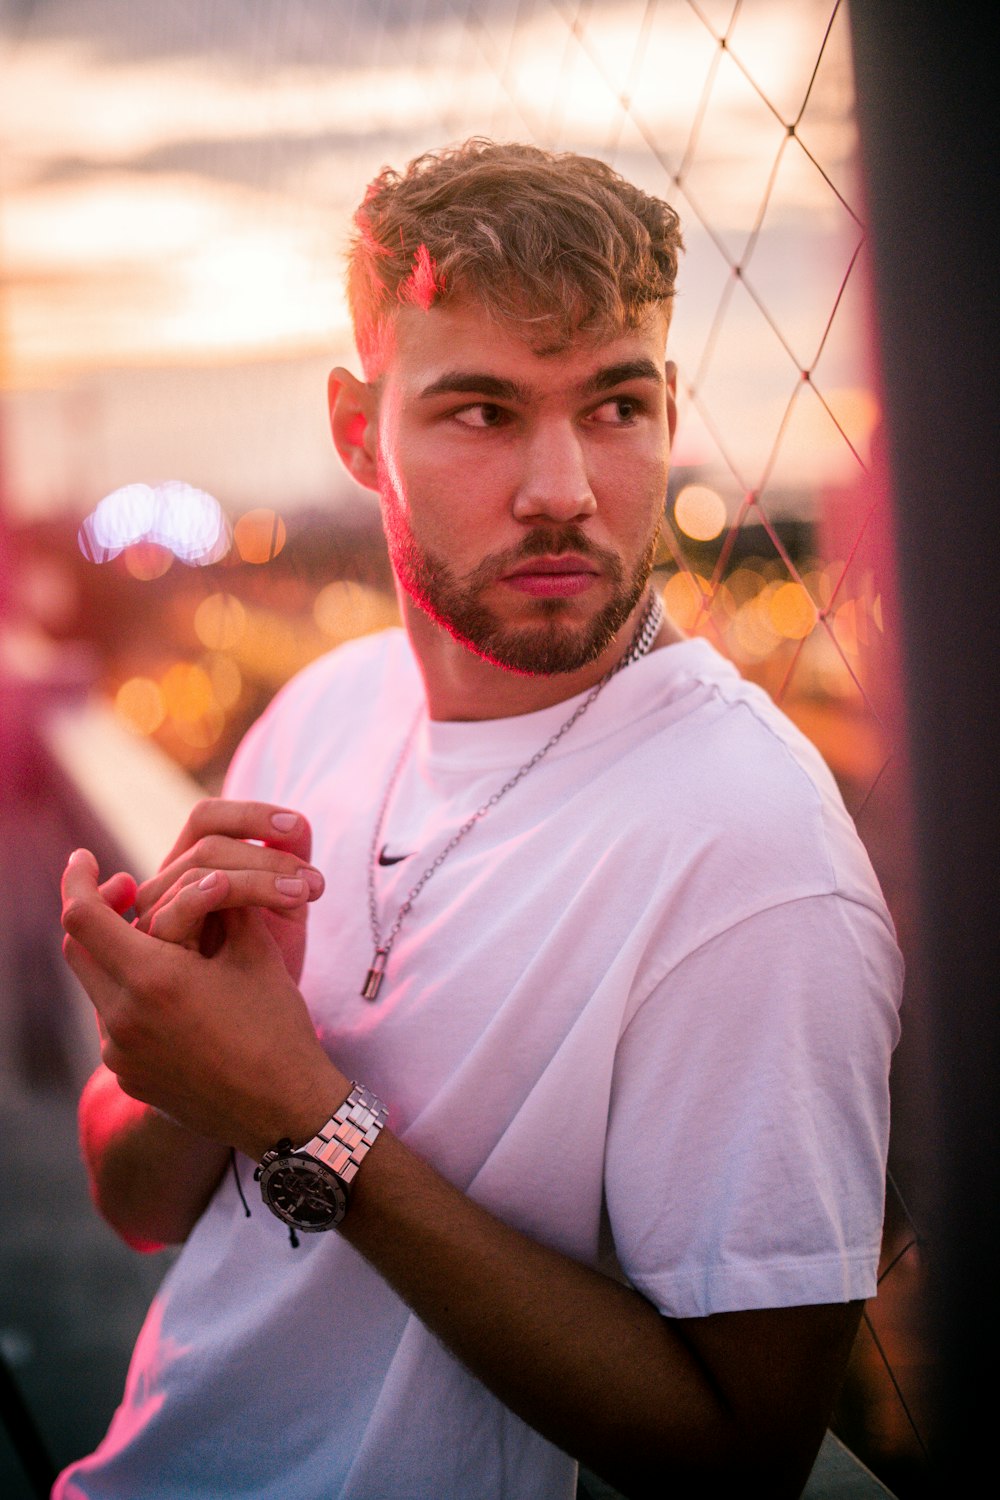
{"points": [[554, 645]]}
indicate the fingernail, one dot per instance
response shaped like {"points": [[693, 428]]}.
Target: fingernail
{"points": [[284, 822], [313, 880], [288, 885], [209, 881]]}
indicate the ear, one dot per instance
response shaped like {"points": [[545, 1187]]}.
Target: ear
{"points": [[354, 424], [671, 372]]}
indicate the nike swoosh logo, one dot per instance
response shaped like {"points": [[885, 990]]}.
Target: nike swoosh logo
{"points": [[390, 859]]}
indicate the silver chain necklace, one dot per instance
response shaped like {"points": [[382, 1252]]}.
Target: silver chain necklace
{"points": [[645, 634]]}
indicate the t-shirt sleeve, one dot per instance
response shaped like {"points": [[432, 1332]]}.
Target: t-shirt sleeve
{"points": [[748, 1129]]}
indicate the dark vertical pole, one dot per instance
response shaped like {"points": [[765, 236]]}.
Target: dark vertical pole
{"points": [[926, 79], [24, 1436]]}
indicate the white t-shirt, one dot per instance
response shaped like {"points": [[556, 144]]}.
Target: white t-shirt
{"points": [[643, 1012]]}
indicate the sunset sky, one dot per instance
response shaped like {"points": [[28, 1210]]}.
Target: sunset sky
{"points": [[177, 182]]}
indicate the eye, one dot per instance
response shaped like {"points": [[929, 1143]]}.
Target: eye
{"points": [[482, 414], [620, 411]]}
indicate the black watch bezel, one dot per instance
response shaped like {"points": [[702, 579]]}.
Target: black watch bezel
{"points": [[311, 1173]]}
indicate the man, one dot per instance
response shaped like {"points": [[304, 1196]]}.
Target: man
{"points": [[594, 925]]}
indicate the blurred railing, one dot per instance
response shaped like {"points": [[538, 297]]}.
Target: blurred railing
{"points": [[71, 1295]]}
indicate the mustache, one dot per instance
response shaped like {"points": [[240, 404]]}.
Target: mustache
{"points": [[546, 541]]}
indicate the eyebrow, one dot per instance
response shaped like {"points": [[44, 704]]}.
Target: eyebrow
{"points": [[474, 383], [620, 374], [469, 382]]}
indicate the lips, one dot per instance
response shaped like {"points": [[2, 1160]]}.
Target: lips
{"points": [[565, 562], [554, 576]]}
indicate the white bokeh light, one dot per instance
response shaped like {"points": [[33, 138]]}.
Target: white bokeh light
{"points": [[187, 521]]}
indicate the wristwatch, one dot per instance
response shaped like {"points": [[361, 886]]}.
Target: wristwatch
{"points": [[309, 1186]]}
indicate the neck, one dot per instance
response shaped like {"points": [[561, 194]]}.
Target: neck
{"points": [[460, 685]]}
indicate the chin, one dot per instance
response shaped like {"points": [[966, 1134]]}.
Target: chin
{"points": [[547, 647], [547, 650]]}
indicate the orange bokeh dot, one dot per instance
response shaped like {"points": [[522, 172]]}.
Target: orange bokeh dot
{"points": [[187, 692], [259, 535], [139, 704], [225, 677], [203, 732], [683, 598], [792, 612], [700, 512], [751, 636], [219, 621], [146, 560]]}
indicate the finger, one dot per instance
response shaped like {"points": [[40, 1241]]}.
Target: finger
{"points": [[119, 891], [219, 852], [87, 918], [81, 863], [260, 875], [182, 917], [222, 890], [102, 991], [249, 939], [277, 827]]}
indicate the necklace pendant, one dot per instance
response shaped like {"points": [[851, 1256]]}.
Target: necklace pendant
{"points": [[374, 977]]}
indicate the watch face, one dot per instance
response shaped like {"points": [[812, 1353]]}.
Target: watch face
{"points": [[303, 1192]]}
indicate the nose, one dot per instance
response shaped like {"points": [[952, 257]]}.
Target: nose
{"points": [[554, 484]]}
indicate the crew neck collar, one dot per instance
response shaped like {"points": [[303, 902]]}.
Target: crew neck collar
{"points": [[642, 686]]}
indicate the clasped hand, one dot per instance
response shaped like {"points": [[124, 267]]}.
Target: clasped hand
{"points": [[197, 1000]]}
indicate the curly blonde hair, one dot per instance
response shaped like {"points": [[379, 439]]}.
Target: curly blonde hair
{"points": [[560, 243]]}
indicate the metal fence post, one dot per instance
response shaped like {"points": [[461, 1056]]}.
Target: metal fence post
{"points": [[925, 78]]}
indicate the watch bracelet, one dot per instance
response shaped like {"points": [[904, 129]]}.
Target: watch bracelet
{"points": [[344, 1141], [348, 1136]]}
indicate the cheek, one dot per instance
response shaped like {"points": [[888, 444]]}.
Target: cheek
{"points": [[416, 534], [430, 497], [634, 495]]}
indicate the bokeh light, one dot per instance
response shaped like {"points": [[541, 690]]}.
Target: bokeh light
{"points": [[849, 627], [147, 560], [259, 535], [792, 612], [271, 646], [126, 515], [196, 716], [700, 512], [219, 621], [744, 583], [204, 732], [344, 609], [752, 637], [139, 704], [174, 517], [684, 596], [225, 677], [187, 691], [190, 522]]}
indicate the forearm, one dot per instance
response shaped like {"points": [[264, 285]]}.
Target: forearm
{"points": [[587, 1362], [150, 1178]]}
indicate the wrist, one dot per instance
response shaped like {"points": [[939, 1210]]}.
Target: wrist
{"points": [[309, 1186], [303, 1109]]}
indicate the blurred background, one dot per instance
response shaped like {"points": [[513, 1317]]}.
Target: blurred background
{"points": [[176, 183]]}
